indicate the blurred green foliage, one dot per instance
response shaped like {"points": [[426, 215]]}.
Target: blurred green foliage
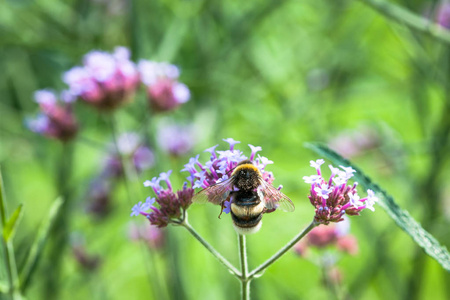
{"points": [[268, 73]]}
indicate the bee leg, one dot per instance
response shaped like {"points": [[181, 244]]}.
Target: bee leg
{"points": [[268, 211], [222, 205]]}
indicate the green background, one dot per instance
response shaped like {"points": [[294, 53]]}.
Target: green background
{"points": [[271, 73]]}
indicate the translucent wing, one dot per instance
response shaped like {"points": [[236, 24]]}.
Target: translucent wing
{"points": [[215, 194], [274, 199]]}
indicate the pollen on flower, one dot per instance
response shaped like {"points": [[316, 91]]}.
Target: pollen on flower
{"points": [[335, 197]]}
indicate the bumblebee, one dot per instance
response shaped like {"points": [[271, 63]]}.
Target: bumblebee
{"points": [[250, 196]]}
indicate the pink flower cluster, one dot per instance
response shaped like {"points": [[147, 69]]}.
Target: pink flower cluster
{"points": [[105, 80], [336, 235], [56, 119], [164, 90], [333, 198]]}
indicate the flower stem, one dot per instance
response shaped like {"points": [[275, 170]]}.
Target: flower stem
{"points": [[403, 16], [210, 248], [130, 176], [282, 251], [245, 280]]}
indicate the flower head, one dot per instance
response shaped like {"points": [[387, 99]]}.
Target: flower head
{"points": [[105, 80], [152, 235], [99, 197], [129, 147], [164, 90], [443, 15], [322, 237], [175, 139], [334, 197], [171, 204], [56, 119], [221, 164]]}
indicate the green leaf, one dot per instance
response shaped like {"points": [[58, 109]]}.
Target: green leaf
{"points": [[10, 227], [423, 238], [39, 243]]}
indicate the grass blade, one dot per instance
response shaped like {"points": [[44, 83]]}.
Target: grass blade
{"points": [[2, 202], [38, 244], [11, 225], [403, 219]]}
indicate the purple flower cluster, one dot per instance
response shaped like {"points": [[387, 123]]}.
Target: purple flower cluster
{"points": [[164, 90], [129, 146], [56, 119], [172, 205], [333, 198], [174, 138], [105, 80], [443, 15], [221, 163]]}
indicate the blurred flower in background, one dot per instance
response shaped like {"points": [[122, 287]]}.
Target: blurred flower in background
{"points": [[99, 197], [105, 80], [87, 261], [152, 235], [164, 90], [351, 143], [324, 245], [335, 235], [56, 119], [443, 14], [174, 138], [131, 147]]}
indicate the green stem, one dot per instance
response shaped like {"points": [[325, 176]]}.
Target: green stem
{"points": [[210, 248], [245, 280], [403, 16], [282, 251], [130, 175], [60, 230]]}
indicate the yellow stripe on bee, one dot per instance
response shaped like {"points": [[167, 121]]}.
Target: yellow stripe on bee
{"points": [[244, 211], [246, 166]]}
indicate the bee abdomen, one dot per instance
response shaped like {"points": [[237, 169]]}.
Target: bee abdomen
{"points": [[246, 222]]}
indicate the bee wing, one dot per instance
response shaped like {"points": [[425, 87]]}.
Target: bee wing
{"points": [[215, 194], [274, 199]]}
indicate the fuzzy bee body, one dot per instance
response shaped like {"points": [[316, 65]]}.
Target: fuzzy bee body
{"points": [[249, 195]]}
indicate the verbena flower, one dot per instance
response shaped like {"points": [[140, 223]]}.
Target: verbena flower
{"points": [[129, 146], [334, 236], [105, 80], [56, 119], [99, 197], [152, 235], [86, 260], [221, 164], [443, 15], [351, 143], [171, 204], [175, 139], [164, 90], [334, 197]]}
